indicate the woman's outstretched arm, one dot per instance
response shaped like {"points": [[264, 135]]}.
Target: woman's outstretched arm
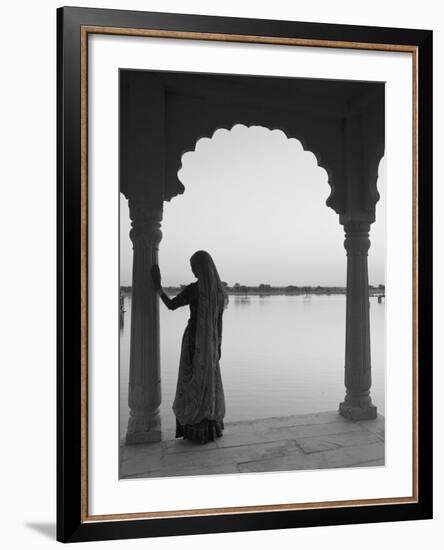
{"points": [[157, 281], [178, 301]]}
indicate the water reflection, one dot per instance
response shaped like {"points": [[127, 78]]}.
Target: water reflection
{"points": [[240, 300]]}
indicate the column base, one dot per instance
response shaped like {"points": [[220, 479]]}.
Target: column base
{"points": [[351, 412], [142, 429]]}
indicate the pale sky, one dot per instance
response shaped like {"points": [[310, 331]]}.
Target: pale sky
{"points": [[255, 200]]}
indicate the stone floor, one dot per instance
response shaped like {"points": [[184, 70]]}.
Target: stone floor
{"points": [[300, 442]]}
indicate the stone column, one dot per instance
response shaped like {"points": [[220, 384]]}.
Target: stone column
{"points": [[357, 404], [144, 394]]}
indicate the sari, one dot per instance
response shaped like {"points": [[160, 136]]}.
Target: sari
{"points": [[199, 403]]}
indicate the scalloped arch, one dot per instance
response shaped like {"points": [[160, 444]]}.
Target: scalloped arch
{"points": [[306, 143]]}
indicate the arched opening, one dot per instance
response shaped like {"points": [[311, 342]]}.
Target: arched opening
{"points": [[259, 194], [256, 200]]}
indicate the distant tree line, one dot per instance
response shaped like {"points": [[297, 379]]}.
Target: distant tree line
{"points": [[264, 288]]}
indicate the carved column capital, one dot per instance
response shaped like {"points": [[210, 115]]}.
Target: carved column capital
{"points": [[146, 219], [357, 241]]}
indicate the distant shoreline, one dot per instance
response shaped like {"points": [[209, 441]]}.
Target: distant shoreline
{"points": [[267, 290]]}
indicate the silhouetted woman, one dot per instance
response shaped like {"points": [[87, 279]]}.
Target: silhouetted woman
{"points": [[199, 403]]}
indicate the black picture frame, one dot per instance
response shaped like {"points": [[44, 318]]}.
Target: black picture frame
{"points": [[73, 524]]}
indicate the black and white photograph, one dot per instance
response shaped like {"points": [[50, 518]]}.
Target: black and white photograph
{"points": [[252, 274], [244, 264]]}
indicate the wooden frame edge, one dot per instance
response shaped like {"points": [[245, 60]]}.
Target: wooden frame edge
{"points": [[84, 273], [252, 39], [85, 31]]}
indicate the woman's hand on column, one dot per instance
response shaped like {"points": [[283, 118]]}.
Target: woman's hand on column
{"points": [[155, 276]]}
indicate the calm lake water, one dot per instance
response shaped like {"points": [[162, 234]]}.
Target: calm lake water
{"points": [[281, 355]]}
